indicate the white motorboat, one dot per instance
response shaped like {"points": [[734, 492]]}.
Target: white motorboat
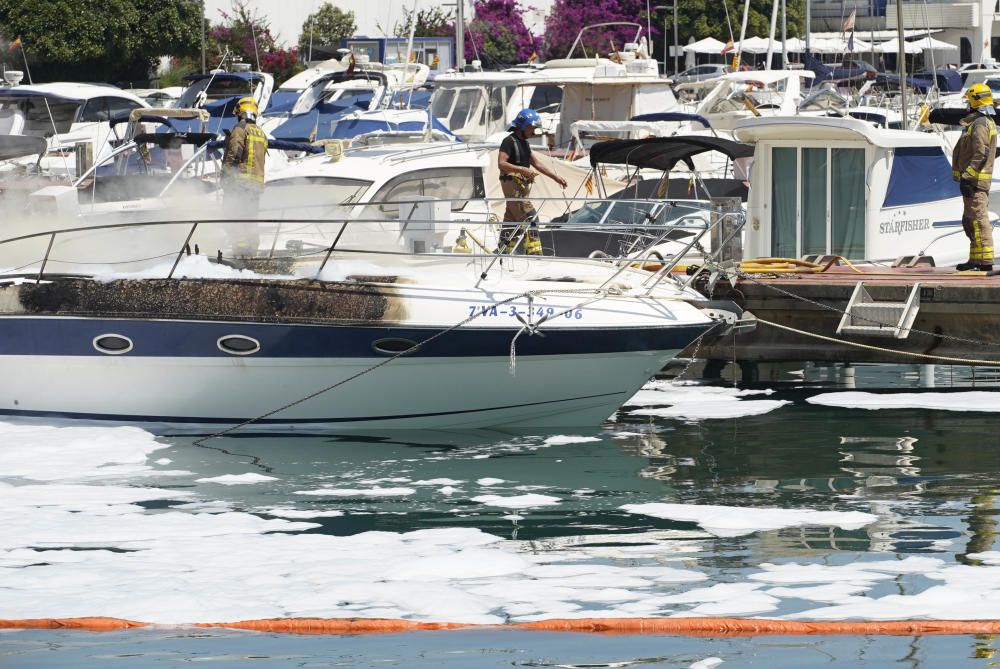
{"points": [[69, 116], [345, 340]]}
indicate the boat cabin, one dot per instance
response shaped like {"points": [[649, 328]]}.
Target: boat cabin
{"points": [[841, 186]]}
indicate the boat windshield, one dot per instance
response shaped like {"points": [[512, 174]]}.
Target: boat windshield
{"points": [[36, 116], [304, 194], [216, 88]]}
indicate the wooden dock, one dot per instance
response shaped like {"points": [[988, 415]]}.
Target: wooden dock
{"points": [[958, 320]]}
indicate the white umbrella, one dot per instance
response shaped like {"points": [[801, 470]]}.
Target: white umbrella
{"points": [[838, 45], [892, 46], [935, 44], [706, 45], [756, 45]]}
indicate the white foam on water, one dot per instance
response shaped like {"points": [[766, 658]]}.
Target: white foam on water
{"points": [[707, 663], [237, 479], [358, 492], [302, 513], [961, 401], [691, 402], [560, 439], [441, 482], [77, 453], [731, 521], [78, 540], [517, 501], [490, 481]]}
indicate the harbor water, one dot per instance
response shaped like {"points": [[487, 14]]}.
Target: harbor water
{"points": [[828, 494]]}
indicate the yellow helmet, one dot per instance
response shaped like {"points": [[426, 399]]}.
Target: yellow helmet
{"points": [[979, 95], [248, 104]]}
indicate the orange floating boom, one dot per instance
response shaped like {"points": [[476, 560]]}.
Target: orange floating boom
{"points": [[705, 627]]}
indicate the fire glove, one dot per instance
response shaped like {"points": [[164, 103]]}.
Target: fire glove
{"points": [[966, 188]]}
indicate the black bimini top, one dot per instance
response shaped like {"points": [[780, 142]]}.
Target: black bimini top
{"points": [[662, 153]]}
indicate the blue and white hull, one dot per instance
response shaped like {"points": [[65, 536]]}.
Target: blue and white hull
{"points": [[332, 361]]}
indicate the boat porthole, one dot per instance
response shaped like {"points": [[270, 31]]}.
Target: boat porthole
{"points": [[393, 345], [238, 345], [112, 344]]}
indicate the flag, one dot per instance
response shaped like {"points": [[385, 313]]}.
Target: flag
{"points": [[16, 44], [436, 61], [533, 57], [850, 42], [350, 66], [729, 47], [589, 184], [413, 56], [849, 21]]}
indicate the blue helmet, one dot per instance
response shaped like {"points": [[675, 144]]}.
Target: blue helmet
{"points": [[524, 118]]}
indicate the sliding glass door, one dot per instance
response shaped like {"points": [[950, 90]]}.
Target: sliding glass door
{"points": [[817, 201]]}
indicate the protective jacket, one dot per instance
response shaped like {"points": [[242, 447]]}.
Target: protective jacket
{"points": [[245, 154], [972, 159]]}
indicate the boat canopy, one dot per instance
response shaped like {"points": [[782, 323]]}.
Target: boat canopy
{"points": [[672, 116], [26, 92], [663, 153]]}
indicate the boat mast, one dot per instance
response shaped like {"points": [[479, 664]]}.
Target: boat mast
{"points": [[901, 58], [770, 34], [460, 35], [743, 31]]}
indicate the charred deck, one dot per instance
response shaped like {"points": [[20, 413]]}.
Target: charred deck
{"points": [[302, 301]]}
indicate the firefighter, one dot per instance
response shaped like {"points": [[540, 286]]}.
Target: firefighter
{"points": [[972, 168], [518, 169], [243, 177]]}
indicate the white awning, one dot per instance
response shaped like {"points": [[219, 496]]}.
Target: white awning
{"points": [[706, 45], [892, 46]]}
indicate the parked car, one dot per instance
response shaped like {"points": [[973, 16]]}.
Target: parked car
{"points": [[700, 73]]}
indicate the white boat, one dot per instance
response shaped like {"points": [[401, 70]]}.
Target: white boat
{"points": [[841, 186], [356, 341], [69, 116]]}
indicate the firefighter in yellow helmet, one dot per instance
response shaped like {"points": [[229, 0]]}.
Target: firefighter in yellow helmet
{"points": [[972, 168], [243, 177]]}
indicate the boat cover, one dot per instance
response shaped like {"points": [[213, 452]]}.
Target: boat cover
{"points": [[662, 153]]}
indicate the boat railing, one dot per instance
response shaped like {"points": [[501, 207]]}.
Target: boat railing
{"points": [[304, 241]]}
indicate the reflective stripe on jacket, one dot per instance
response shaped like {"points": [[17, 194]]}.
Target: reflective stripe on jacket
{"points": [[245, 155], [972, 159]]}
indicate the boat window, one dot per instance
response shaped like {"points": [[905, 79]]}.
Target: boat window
{"points": [[813, 205], [546, 98], [301, 192], [466, 108], [112, 344], [36, 111], [847, 200], [458, 184], [393, 345], [118, 106], [441, 103], [95, 111], [238, 345], [784, 171]]}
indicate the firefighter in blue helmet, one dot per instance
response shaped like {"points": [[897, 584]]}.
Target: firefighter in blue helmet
{"points": [[518, 169]]}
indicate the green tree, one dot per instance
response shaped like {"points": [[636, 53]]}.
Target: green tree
{"points": [[98, 40], [433, 22], [326, 27]]}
